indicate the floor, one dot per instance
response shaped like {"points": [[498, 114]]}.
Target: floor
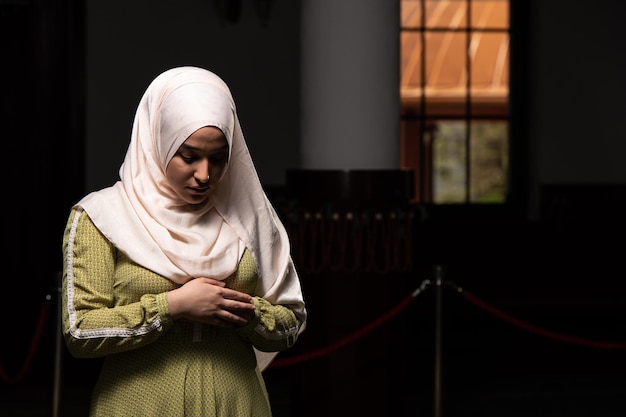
{"points": [[548, 393]]}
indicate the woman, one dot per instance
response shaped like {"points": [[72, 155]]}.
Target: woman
{"points": [[180, 273]]}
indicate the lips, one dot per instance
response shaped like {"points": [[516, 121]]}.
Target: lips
{"points": [[196, 190]]}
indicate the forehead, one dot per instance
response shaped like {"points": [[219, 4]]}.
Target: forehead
{"points": [[207, 138]]}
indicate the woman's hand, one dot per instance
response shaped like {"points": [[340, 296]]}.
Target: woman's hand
{"points": [[207, 300]]}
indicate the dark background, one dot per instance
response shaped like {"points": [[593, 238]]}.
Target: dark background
{"points": [[72, 74]]}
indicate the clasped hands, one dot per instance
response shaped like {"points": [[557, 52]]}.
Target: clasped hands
{"points": [[208, 301]]}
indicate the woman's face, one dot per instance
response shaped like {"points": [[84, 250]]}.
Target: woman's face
{"points": [[198, 165]]}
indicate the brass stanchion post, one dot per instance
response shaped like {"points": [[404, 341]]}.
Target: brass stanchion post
{"points": [[438, 339], [56, 394]]}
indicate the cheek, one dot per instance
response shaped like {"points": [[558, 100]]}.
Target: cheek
{"points": [[176, 174]]}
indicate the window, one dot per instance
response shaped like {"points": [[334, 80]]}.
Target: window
{"points": [[455, 98]]}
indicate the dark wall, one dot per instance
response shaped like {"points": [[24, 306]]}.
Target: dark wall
{"points": [[129, 43], [41, 114], [575, 107]]}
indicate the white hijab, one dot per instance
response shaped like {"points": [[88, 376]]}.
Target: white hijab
{"points": [[144, 218]]}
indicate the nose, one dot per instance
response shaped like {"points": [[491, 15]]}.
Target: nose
{"points": [[203, 181], [202, 173]]}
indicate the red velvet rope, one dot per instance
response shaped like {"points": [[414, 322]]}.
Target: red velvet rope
{"points": [[293, 360], [281, 362], [538, 330]]}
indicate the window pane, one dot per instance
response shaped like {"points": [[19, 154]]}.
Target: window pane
{"points": [[488, 161], [489, 55], [491, 14], [446, 14], [446, 72], [411, 14], [449, 162], [410, 62]]}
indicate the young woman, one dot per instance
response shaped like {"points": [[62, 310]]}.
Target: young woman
{"points": [[180, 273]]}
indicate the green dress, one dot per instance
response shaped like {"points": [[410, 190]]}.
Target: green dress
{"points": [[154, 366]]}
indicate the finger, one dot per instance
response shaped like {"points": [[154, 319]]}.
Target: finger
{"points": [[237, 296], [245, 314], [233, 305], [233, 319]]}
